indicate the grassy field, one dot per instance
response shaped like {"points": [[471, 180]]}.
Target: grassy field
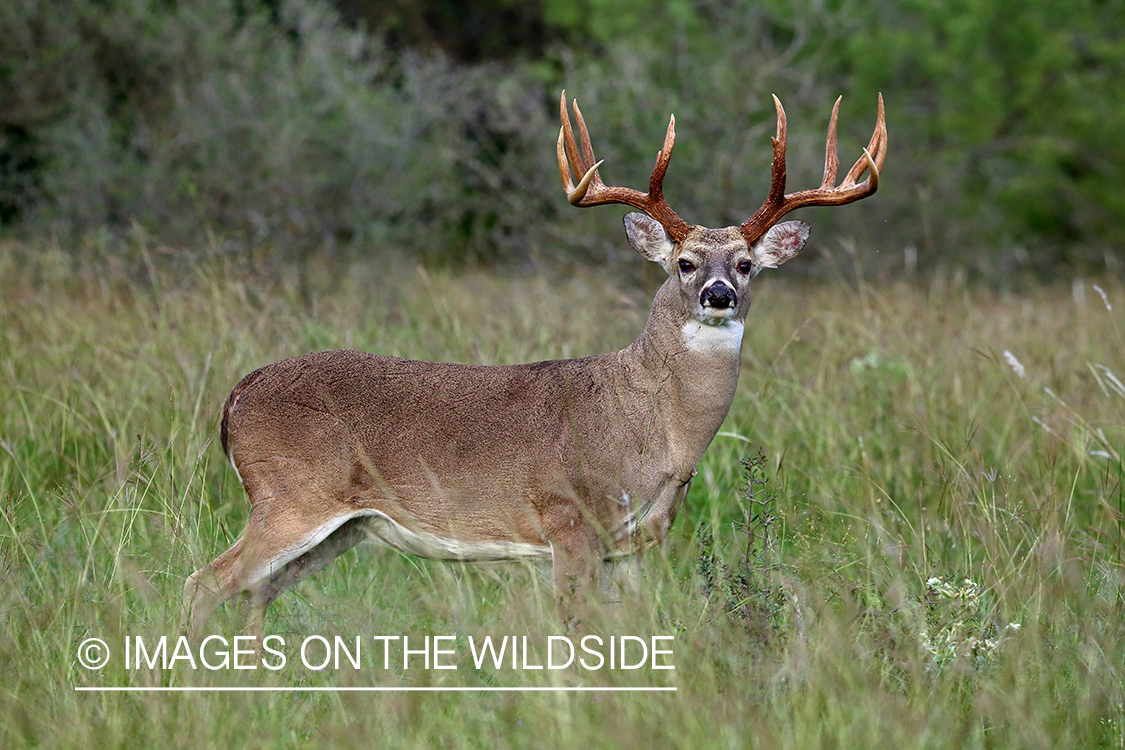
{"points": [[933, 555]]}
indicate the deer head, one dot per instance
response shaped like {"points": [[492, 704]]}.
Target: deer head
{"points": [[713, 266]]}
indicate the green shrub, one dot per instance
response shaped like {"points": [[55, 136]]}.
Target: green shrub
{"points": [[279, 131]]}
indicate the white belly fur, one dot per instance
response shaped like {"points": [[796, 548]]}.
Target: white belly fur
{"points": [[383, 529]]}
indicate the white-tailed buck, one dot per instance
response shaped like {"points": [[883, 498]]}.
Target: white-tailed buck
{"points": [[576, 461]]}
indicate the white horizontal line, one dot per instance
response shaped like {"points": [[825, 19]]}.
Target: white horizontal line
{"points": [[313, 689]]}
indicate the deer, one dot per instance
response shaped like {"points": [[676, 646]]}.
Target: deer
{"points": [[577, 463]]}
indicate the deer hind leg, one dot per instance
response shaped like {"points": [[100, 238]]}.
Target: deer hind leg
{"points": [[277, 550]]}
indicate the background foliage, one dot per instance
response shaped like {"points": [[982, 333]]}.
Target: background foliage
{"points": [[309, 130]]}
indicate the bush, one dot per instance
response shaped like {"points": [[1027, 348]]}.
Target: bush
{"points": [[1008, 120], [287, 132], [278, 131]]}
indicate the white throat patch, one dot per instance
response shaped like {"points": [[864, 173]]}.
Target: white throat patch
{"points": [[724, 336]]}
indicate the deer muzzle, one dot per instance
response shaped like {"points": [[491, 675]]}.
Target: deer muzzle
{"points": [[718, 296]]}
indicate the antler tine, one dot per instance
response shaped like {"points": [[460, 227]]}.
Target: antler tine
{"points": [[777, 167], [584, 134], [770, 212], [568, 154], [877, 146], [583, 160], [663, 158], [591, 191], [831, 159], [778, 203]]}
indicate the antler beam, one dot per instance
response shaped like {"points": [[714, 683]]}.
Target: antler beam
{"points": [[828, 194], [591, 191]]}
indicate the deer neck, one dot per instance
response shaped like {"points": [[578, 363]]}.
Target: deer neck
{"points": [[689, 368]]}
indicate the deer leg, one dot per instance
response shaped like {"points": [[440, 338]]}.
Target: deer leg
{"points": [[348, 535], [574, 564], [203, 593], [258, 563], [619, 579]]}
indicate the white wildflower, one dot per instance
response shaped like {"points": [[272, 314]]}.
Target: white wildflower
{"points": [[957, 628]]}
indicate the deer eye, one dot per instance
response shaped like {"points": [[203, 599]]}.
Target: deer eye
{"points": [[744, 267], [686, 266]]}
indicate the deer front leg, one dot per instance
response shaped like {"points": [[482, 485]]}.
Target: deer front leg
{"points": [[574, 563], [620, 579]]}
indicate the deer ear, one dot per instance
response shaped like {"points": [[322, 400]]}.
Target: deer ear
{"points": [[781, 243], [648, 237]]}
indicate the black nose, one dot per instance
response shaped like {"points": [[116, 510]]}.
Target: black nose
{"points": [[719, 296]]}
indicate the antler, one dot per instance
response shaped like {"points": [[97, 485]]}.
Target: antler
{"points": [[591, 191], [828, 194]]}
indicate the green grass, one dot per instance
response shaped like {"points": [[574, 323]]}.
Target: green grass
{"points": [[901, 445]]}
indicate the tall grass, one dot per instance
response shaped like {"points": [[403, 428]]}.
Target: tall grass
{"points": [[945, 565]]}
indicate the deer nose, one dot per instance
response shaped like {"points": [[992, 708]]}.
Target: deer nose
{"points": [[719, 296]]}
